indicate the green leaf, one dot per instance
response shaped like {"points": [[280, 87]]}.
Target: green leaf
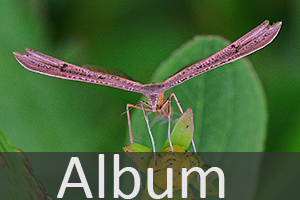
{"points": [[140, 155], [228, 103], [182, 133], [17, 179], [137, 148], [5, 145]]}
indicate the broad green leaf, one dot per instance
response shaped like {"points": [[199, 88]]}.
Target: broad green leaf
{"points": [[228, 102]]}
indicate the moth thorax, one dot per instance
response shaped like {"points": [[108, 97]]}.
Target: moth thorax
{"points": [[164, 109]]}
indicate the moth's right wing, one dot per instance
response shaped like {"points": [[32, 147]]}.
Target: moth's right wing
{"points": [[256, 39]]}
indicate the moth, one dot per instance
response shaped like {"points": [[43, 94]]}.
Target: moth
{"points": [[254, 40]]}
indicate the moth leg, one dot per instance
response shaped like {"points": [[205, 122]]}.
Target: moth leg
{"points": [[150, 133], [147, 122], [128, 106], [169, 126], [181, 111]]}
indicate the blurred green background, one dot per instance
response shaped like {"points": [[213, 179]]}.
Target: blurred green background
{"points": [[39, 113]]}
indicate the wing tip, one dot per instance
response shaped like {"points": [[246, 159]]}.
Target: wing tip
{"points": [[276, 25]]}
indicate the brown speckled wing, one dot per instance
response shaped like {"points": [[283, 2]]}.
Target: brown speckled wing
{"points": [[249, 43], [44, 64]]}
